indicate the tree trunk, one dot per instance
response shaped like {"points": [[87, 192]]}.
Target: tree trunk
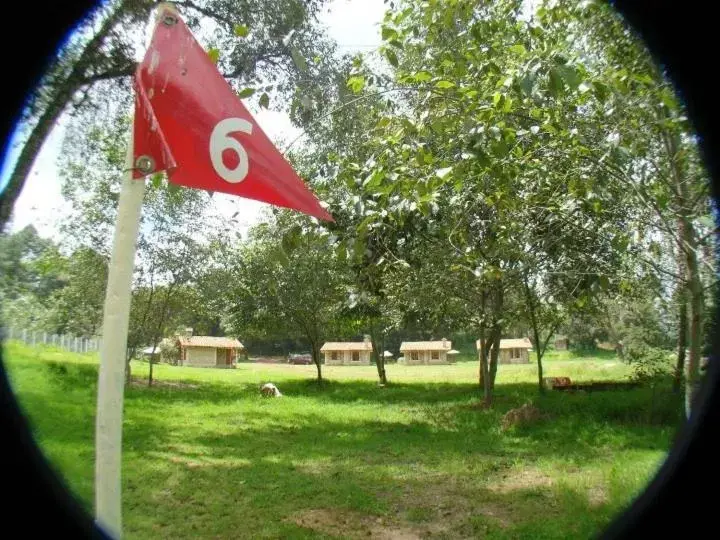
{"points": [[494, 354], [688, 248], [497, 309], [150, 372], [538, 355], [484, 372], [132, 347], [682, 338], [379, 359], [45, 123], [488, 357], [536, 333], [484, 375], [316, 359], [695, 337], [160, 329]]}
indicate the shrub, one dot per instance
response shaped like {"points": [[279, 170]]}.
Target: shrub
{"points": [[652, 367], [170, 351]]}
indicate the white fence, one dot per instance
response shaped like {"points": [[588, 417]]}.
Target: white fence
{"points": [[69, 343]]}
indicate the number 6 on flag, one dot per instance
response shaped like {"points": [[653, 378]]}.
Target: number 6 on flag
{"points": [[186, 116], [220, 141]]}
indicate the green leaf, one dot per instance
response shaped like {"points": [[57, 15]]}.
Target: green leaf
{"points": [[341, 252], [526, 84], [388, 33], [668, 99], [374, 180], [570, 75], [422, 76], [298, 58], [214, 55], [241, 30], [356, 83], [444, 84], [518, 49], [556, 82], [265, 101], [288, 242], [246, 93], [601, 91], [279, 256], [156, 180], [410, 128], [392, 57]]}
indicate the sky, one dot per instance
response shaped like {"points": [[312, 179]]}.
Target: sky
{"points": [[354, 24]]}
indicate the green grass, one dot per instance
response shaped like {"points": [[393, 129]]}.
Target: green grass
{"points": [[206, 456]]}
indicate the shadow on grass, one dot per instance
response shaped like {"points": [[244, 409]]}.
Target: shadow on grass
{"points": [[469, 437], [268, 498], [451, 405], [422, 454]]}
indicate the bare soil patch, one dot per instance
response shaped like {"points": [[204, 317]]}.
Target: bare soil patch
{"points": [[349, 524], [521, 480]]}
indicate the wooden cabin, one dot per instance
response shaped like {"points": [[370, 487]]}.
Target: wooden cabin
{"points": [[347, 353], [209, 351], [425, 352], [512, 351]]}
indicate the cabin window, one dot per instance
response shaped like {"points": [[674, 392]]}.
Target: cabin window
{"points": [[414, 355], [515, 353], [435, 355], [334, 355], [356, 356]]}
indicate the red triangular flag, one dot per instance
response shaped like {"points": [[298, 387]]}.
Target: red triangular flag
{"points": [[189, 122]]}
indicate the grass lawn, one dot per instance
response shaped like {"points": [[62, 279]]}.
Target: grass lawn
{"points": [[206, 456]]}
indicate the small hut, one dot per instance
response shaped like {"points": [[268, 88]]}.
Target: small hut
{"points": [[512, 351], [561, 343], [208, 351], [347, 353], [425, 352]]}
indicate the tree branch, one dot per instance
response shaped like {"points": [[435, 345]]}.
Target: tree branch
{"points": [[207, 12], [114, 73]]}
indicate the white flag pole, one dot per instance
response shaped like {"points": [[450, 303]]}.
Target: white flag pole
{"points": [[113, 348], [111, 381]]}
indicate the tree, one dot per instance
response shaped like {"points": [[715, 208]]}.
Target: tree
{"points": [[176, 227], [76, 308], [259, 42], [661, 168], [20, 254], [544, 316], [286, 283], [480, 157]]}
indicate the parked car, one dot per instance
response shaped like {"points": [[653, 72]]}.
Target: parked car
{"points": [[301, 359]]}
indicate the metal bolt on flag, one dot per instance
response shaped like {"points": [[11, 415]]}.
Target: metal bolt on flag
{"points": [[189, 123]]}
